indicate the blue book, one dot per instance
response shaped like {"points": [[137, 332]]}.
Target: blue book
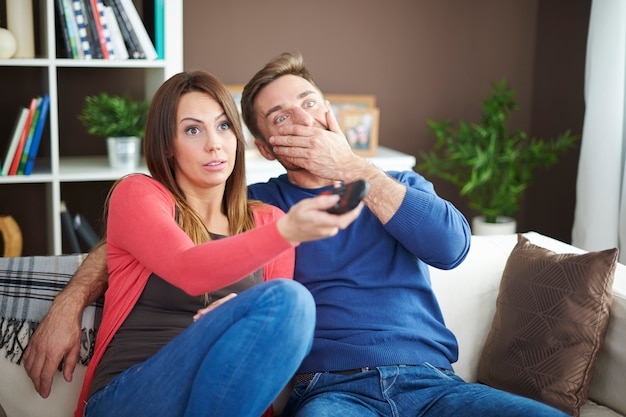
{"points": [[34, 147]]}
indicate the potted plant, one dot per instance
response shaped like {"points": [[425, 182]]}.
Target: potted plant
{"points": [[122, 121], [491, 166]]}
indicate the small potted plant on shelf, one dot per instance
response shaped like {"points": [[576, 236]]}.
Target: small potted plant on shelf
{"points": [[122, 121], [490, 165]]}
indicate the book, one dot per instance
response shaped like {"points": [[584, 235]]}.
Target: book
{"points": [[68, 229], [117, 39], [29, 138], [92, 29], [20, 146], [85, 232], [105, 33], [128, 33], [159, 28], [15, 138], [72, 28], [96, 22], [34, 147], [140, 30], [64, 47], [79, 17]]}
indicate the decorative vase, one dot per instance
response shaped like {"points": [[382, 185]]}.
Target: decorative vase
{"points": [[8, 45], [504, 226], [20, 23], [124, 153]]}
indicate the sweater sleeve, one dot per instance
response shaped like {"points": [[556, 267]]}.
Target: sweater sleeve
{"points": [[142, 233], [428, 226]]}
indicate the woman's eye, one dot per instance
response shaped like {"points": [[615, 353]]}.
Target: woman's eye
{"points": [[225, 126], [192, 130]]}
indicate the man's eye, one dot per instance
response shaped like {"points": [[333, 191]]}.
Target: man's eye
{"points": [[280, 118], [309, 104]]}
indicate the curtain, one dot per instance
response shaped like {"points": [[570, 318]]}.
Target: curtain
{"points": [[600, 213]]}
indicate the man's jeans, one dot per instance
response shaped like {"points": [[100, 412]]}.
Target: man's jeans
{"points": [[406, 391], [232, 362]]}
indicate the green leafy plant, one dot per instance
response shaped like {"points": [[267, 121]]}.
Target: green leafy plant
{"points": [[114, 116], [491, 166]]}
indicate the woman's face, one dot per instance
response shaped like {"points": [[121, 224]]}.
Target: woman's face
{"points": [[205, 144]]}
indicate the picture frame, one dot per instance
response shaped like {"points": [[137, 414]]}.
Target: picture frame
{"points": [[339, 102], [360, 126]]}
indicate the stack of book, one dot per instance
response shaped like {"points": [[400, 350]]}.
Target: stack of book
{"points": [[105, 29], [19, 158]]}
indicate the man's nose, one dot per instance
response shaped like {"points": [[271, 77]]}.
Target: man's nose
{"points": [[302, 117]]}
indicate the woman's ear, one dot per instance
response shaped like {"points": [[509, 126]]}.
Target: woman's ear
{"points": [[265, 149]]}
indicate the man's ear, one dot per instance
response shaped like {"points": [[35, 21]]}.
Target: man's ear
{"points": [[265, 149]]}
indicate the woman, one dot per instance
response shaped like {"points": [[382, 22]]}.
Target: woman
{"points": [[180, 240]]}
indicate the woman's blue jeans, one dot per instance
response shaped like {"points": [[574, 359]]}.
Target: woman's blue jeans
{"points": [[407, 391], [232, 362]]}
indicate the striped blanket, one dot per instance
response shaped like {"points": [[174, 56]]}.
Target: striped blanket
{"points": [[27, 287]]}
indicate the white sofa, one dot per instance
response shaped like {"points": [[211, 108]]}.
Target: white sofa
{"points": [[467, 295]]}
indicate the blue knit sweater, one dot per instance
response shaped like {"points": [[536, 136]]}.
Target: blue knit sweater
{"points": [[375, 304]]}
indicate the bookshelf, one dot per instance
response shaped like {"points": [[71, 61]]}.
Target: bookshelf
{"points": [[68, 165]]}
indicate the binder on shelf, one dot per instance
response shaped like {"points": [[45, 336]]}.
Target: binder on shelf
{"points": [[15, 138], [24, 135], [34, 147], [29, 139], [85, 232], [68, 229]]}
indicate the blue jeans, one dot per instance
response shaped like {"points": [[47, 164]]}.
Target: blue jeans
{"points": [[407, 391], [232, 362]]}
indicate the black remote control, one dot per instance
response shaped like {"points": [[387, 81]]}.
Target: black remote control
{"points": [[351, 195]]}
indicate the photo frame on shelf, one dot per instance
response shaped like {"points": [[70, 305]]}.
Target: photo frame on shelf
{"points": [[236, 90], [361, 129], [339, 102]]}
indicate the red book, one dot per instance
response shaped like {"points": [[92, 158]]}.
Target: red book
{"points": [[20, 146], [101, 35]]}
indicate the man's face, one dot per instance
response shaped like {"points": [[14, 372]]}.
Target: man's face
{"points": [[289, 100]]}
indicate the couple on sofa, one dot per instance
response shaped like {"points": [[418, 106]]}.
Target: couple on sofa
{"points": [[380, 345]]}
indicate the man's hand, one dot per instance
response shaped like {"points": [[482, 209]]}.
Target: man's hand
{"points": [[322, 151], [56, 339]]}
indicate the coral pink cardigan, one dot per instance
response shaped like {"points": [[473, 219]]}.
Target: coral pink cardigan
{"points": [[142, 239]]}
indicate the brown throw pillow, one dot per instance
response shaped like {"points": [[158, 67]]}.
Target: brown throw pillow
{"points": [[551, 318]]}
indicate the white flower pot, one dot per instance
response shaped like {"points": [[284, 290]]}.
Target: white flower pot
{"points": [[124, 153], [503, 226]]}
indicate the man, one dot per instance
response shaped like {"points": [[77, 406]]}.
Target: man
{"points": [[381, 347]]}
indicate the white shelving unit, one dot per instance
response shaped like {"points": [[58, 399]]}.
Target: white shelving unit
{"points": [[56, 170]]}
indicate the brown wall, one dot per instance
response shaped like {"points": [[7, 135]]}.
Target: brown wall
{"points": [[423, 59]]}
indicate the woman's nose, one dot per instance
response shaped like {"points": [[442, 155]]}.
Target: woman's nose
{"points": [[212, 144]]}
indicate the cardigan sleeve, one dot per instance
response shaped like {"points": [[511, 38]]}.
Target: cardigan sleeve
{"points": [[141, 233]]}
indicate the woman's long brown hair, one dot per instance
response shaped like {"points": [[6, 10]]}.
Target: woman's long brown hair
{"points": [[159, 151]]}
